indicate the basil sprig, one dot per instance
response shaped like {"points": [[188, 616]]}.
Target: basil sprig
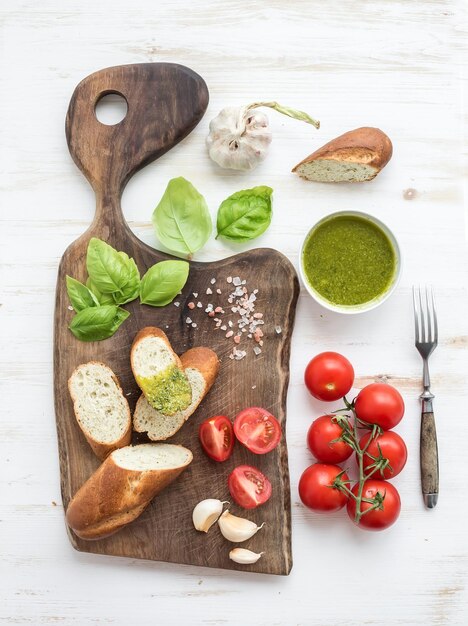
{"points": [[245, 215], [97, 323], [114, 279], [181, 220]]}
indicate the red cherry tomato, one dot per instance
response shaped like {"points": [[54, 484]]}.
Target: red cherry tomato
{"points": [[319, 439], [316, 490], [329, 376], [380, 404], [257, 430], [249, 488], [378, 519], [217, 437], [393, 448]]}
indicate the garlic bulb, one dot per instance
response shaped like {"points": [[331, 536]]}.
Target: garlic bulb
{"points": [[236, 529], [243, 556], [206, 513], [239, 136]]}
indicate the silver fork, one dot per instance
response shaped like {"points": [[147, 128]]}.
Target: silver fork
{"points": [[426, 335]]}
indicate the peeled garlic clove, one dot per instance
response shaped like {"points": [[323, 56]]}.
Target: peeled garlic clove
{"points": [[206, 513], [243, 556], [236, 529]]}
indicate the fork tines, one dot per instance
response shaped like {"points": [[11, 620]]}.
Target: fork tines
{"points": [[425, 318]]}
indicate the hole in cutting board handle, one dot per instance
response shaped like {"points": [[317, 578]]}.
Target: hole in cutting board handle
{"points": [[111, 108]]}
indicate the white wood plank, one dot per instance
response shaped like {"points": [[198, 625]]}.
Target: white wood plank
{"points": [[394, 64]]}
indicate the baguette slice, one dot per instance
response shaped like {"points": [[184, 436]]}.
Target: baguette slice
{"points": [[159, 373], [101, 409], [357, 156], [123, 486], [201, 366]]}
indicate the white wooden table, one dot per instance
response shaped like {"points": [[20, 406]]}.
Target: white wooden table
{"points": [[391, 64]]}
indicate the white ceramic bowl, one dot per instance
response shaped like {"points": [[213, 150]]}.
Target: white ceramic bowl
{"points": [[366, 306]]}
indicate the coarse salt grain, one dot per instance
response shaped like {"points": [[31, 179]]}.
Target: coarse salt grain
{"points": [[70, 308], [199, 305], [194, 325], [176, 303], [188, 320], [209, 292], [195, 295], [229, 333], [218, 291], [278, 330], [229, 279], [236, 281], [212, 281], [257, 350], [191, 305], [237, 339]]}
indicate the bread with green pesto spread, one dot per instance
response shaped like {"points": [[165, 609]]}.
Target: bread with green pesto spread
{"points": [[159, 373], [201, 366]]}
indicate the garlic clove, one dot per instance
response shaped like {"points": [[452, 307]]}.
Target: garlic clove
{"points": [[236, 529], [206, 513], [243, 556]]}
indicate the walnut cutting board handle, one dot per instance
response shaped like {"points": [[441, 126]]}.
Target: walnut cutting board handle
{"points": [[165, 102]]}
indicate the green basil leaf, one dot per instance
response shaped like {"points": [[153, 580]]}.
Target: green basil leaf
{"points": [[131, 290], [245, 215], [97, 323], [103, 298], [80, 296], [106, 267], [181, 219], [163, 281]]}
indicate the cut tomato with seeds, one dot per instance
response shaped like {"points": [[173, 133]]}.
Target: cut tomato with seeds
{"points": [[217, 437], [257, 429], [249, 488]]}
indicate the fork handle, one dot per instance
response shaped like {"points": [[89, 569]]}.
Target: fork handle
{"points": [[429, 460]]}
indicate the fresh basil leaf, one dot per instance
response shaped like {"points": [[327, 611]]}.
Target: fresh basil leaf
{"points": [[103, 298], [106, 267], [245, 215], [80, 296], [163, 281], [181, 219], [97, 323], [131, 290]]}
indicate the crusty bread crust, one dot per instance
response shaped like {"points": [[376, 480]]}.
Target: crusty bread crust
{"points": [[114, 496], [102, 450], [366, 145], [207, 363]]}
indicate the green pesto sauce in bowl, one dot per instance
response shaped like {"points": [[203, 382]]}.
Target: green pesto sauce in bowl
{"points": [[349, 260]]}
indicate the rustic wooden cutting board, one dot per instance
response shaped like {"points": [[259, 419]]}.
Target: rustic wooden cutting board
{"points": [[165, 102]]}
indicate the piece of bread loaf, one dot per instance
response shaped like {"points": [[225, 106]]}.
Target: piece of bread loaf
{"points": [[123, 486], [101, 409], [201, 366], [158, 372], [357, 156]]}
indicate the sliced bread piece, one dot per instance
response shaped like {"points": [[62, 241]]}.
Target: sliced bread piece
{"points": [[123, 486], [101, 409], [357, 156], [201, 366], [159, 373]]}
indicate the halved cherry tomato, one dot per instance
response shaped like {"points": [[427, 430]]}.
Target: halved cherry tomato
{"points": [[217, 437], [257, 430], [320, 439], [249, 488], [329, 376], [381, 404], [379, 518], [392, 447]]}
